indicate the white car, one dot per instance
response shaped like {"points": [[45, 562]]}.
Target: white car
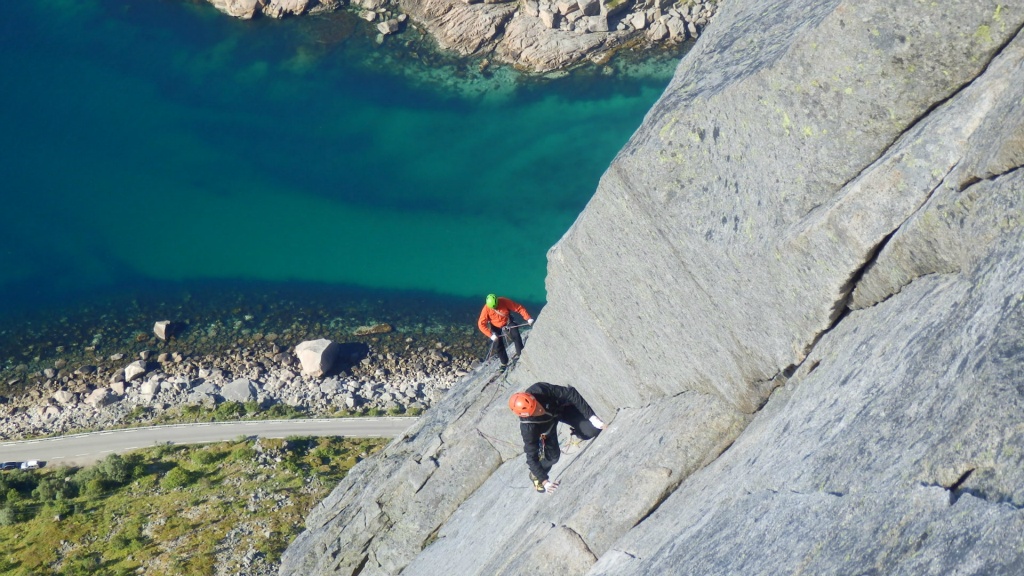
{"points": [[30, 465]]}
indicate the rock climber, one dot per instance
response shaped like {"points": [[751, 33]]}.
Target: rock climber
{"points": [[540, 408], [496, 314]]}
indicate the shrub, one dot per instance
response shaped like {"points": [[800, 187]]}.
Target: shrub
{"points": [[230, 411], [8, 516], [283, 411], [414, 411], [176, 478], [163, 449], [48, 489], [60, 507], [243, 453], [83, 565], [205, 457], [115, 470], [95, 488], [251, 407], [138, 413]]}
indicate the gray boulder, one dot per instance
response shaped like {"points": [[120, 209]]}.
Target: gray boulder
{"points": [[65, 398], [317, 357], [162, 329], [135, 370], [388, 26], [330, 386], [99, 398], [589, 7], [207, 388], [240, 390], [150, 387]]}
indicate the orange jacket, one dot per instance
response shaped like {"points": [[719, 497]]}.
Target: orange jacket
{"points": [[499, 315]]}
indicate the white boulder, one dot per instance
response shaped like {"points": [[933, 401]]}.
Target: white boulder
{"points": [[317, 356], [135, 370]]}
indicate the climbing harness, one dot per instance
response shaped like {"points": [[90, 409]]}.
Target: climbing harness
{"points": [[504, 339]]}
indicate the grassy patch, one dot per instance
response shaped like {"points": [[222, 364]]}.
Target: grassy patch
{"points": [[170, 509]]}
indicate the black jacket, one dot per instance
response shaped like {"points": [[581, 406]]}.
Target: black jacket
{"points": [[556, 400]]}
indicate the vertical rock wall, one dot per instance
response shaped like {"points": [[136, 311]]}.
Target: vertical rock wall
{"points": [[724, 237], [797, 296]]}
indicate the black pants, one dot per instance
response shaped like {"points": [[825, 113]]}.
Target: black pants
{"points": [[581, 428], [501, 343]]}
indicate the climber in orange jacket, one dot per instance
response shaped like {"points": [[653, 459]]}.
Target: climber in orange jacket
{"points": [[497, 314]]}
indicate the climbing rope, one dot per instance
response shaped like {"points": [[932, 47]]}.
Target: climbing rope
{"points": [[505, 339]]}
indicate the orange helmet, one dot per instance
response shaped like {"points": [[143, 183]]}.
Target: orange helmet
{"points": [[524, 405]]}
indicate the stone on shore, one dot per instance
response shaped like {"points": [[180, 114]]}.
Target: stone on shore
{"points": [[240, 390], [135, 370], [589, 7], [99, 398], [388, 26], [65, 398], [149, 388], [208, 388], [248, 9], [317, 356]]}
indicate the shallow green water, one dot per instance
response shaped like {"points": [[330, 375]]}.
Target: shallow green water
{"points": [[151, 142]]}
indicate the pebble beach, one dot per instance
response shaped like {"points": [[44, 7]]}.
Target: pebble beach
{"points": [[67, 373]]}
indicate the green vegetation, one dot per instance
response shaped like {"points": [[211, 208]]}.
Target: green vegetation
{"points": [[169, 509], [226, 411]]}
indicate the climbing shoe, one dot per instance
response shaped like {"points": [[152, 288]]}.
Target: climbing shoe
{"points": [[502, 368], [537, 484]]}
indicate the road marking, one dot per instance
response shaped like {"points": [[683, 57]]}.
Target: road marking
{"points": [[105, 451], [57, 458], [105, 433], [86, 454]]}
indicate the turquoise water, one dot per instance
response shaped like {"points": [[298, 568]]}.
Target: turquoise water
{"points": [[150, 142]]}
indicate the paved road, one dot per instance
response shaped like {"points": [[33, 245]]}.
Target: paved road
{"points": [[84, 449]]}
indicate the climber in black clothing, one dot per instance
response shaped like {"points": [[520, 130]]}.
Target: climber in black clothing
{"points": [[540, 408]]}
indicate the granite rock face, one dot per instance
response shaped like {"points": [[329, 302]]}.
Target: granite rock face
{"points": [[247, 9], [797, 297]]}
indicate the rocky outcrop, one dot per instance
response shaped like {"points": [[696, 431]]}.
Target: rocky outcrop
{"points": [[532, 35], [797, 296], [247, 9]]}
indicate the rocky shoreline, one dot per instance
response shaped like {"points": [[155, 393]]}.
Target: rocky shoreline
{"points": [[379, 368], [534, 36]]}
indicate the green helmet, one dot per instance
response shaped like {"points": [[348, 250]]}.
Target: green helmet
{"points": [[492, 300]]}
